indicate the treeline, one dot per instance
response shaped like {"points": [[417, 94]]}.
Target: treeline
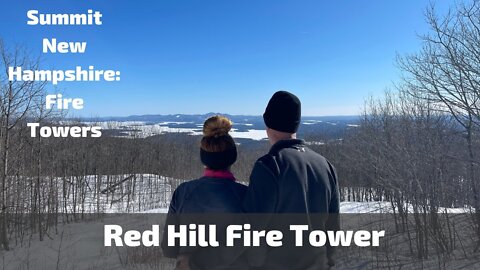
{"points": [[417, 147], [46, 177], [174, 155], [408, 154]]}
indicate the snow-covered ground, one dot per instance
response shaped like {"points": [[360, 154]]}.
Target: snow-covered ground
{"points": [[357, 208], [115, 193], [386, 208], [80, 245], [148, 193], [253, 134]]}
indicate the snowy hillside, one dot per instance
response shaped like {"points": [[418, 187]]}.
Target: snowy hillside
{"points": [[148, 193], [131, 200]]}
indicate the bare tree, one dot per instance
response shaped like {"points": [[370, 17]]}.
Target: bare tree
{"points": [[17, 100], [446, 72]]}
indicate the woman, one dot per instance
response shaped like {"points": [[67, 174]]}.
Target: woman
{"points": [[215, 192]]}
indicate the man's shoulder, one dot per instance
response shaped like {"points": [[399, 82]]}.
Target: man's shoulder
{"points": [[299, 149], [314, 154], [266, 160], [299, 152]]}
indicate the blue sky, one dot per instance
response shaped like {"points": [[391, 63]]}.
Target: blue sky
{"points": [[227, 56]]}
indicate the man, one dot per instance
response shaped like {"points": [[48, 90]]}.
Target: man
{"points": [[291, 179]]}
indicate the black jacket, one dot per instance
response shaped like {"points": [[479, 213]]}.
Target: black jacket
{"points": [[293, 179], [208, 195], [212, 198]]}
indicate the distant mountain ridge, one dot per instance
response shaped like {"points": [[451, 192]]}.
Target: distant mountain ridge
{"points": [[202, 117], [244, 126]]}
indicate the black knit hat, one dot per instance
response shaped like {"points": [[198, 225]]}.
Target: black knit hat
{"points": [[283, 112], [219, 160]]}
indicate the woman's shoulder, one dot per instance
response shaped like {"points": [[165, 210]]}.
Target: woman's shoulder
{"points": [[200, 184], [187, 186], [224, 181]]}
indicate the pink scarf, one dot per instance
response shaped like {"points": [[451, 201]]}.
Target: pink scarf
{"points": [[219, 174]]}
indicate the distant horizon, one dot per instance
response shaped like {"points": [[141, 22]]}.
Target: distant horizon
{"points": [[203, 114]]}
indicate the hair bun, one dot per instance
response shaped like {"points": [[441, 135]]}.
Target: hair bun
{"points": [[217, 126]]}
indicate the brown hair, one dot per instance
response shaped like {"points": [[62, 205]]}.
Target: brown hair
{"points": [[215, 134]]}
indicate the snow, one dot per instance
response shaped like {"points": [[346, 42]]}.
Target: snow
{"points": [[243, 124], [365, 207], [143, 131], [116, 193], [314, 143], [76, 246], [80, 245], [253, 134], [138, 129], [174, 123], [115, 124], [156, 211], [148, 193], [312, 122], [386, 208], [354, 208]]}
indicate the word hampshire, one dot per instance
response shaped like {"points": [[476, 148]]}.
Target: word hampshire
{"points": [[70, 75]]}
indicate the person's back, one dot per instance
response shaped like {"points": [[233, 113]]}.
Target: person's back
{"points": [[208, 195], [216, 198], [292, 185], [306, 180]]}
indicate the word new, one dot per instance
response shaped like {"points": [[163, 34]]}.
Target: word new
{"points": [[53, 46]]}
